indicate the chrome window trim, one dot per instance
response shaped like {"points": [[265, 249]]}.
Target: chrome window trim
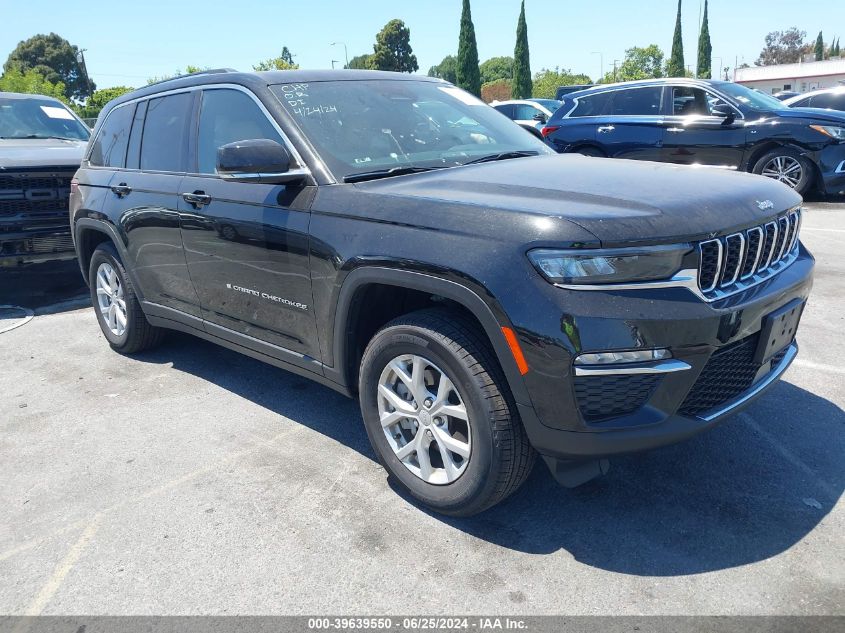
{"points": [[164, 93], [576, 101], [757, 254], [772, 247], [797, 222], [660, 367], [740, 260], [719, 262]]}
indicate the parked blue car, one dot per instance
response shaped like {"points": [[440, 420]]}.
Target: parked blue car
{"points": [[703, 122]]}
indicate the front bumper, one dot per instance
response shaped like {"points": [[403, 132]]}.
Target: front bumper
{"points": [[831, 163], [711, 339], [36, 247]]}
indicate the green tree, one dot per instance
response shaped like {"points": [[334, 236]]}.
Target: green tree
{"points": [[547, 81], [522, 85], [282, 62], [639, 63], [819, 49], [782, 47], [361, 62], [836, 51], [467, 74], [57, 60], [496, 68], [30, 82], [446, 69], [676, 67], [705, 48], [101, 97], [392, 50], [189, 69]]}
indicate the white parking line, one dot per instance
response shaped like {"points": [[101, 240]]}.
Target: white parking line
{"points": [[833, 369], [790, 456], [811, 228]]}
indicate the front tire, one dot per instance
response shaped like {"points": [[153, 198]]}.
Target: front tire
{"points": [[116, 305], [439, 414], [787, 166]]}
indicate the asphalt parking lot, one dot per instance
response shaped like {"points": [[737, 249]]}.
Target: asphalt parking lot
{"points": [[193, 480]]}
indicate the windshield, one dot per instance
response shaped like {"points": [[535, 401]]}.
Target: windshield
{"points": [[39, 118], [757, 101], [361, 126]]}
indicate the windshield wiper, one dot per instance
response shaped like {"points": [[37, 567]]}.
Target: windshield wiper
{"points": [[40, 137], [386, 173], [502, 156]]}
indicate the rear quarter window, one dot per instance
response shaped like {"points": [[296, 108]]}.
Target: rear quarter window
{"points": [[109, 149]]}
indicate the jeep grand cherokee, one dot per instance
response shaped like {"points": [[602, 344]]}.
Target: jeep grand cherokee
{"points": [[394, 238]]}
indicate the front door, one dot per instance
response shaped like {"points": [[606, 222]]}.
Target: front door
{"points": [[247, 243], [695, 136]]}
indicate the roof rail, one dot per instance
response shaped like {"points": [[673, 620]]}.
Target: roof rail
{"points": [[210, 71]]}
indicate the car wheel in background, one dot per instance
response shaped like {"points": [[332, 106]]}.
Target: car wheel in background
{"points": [[117, 307], [787, 166], [438, 414]]}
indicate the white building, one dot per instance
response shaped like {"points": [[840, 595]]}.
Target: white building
{"points": [[799, 77]]}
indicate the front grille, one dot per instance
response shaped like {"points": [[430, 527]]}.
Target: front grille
{"points": [[728, 373], [30, 195], [730, 263], [602, 397]]}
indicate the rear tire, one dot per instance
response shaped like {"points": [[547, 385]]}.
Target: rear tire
{"points": [[590, 151], [786, 165], [454, 466], [116, 305]]}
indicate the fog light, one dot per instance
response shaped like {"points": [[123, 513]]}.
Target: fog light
{"points": [[610, 358]]}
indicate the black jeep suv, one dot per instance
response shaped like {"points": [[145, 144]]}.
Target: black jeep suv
{"points": [[486, 299]]}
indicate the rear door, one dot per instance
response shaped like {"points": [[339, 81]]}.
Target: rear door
{"points": [[247, 243], [695, 136], [633, 127], [143, 198]]}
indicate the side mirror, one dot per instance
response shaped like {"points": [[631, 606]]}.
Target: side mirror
{"points": [[724, 111], [257, 160], [540, 117]]}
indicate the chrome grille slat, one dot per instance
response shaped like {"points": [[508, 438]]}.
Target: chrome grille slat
{"points": [[740, 260]]}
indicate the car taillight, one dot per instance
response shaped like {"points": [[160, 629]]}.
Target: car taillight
{"points": [[74, 186], [548, 129]]}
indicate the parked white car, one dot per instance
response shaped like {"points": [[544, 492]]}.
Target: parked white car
{"points": [[531, 114], [826, 98]]}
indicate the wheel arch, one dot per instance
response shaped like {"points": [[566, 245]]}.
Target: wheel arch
{"points": [[88, 233], [354, 288], [764, 148]]}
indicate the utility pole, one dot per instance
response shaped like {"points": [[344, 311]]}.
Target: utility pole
{"points": [[615, 61], [335, 61], [601, 56]]}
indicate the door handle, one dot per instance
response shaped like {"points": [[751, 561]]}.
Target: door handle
{"points": [[122, 190], [197, 198], [606, 128], [675, 130]]}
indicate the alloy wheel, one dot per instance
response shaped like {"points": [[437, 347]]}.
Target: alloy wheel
{"points": [[424, 419], [785, 169], [110, 299]]}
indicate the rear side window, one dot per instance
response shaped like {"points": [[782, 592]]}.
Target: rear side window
{"points": [[164, 145], [830, 101], [526, 112], [637, 102], [228, 116], [594, 105], [803, 103], [109, 149], [506, 109]]}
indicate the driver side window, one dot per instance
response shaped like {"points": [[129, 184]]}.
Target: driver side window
{"points": [[687, 101], [228, 116]]}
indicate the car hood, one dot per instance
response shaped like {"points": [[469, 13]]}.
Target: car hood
{"points": [[817, 114], [25, 153], [618, 201]]}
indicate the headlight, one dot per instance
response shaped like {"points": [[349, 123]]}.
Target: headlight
{"points": [[830, 130], [623, 265]]}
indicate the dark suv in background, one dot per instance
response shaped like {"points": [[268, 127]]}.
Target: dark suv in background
{"points": [[398, 240], [696, 122], [41, 146]]}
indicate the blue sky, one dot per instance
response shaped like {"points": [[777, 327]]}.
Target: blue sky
{"points": [[127, 42]]}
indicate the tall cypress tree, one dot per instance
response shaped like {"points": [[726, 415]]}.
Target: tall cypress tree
{"points": [[819, 51], [468, 75], [705, 49], [522, 87], [675, 67]]}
